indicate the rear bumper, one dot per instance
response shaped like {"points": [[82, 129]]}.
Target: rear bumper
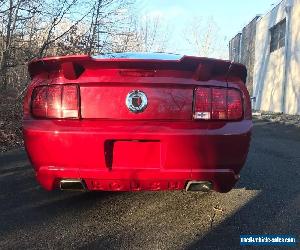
{"points": [[136, 180], [188, 151]]}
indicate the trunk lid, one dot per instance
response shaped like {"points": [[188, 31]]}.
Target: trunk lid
{"points": [[113, 102], [137, 86]]}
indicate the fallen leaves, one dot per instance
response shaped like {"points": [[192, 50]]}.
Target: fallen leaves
{"points": [[10, 121]]}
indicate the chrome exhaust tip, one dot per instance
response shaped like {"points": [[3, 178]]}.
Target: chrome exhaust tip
{"points": [[72, 184], [203, 186]]}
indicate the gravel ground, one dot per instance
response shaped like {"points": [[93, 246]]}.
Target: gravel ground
{"points": [[265, 201], [279, 118]]}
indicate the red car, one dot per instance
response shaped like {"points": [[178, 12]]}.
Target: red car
{"points": [[137, 121]]}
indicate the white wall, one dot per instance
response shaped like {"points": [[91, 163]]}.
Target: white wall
{"points": [[292, 105], [269, 68]]}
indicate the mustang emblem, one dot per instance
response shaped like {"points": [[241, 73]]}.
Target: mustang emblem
{"points": [[136, 101]]}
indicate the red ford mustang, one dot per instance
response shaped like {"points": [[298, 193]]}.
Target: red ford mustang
{"points": [[137, 121]]}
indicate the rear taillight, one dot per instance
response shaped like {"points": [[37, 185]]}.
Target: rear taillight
{"points": [[217, 104], [55, 101], [234, 104]]}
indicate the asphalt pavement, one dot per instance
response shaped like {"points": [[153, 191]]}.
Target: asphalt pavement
{"points": [[265, 201]]}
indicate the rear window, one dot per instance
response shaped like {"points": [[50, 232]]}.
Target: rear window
{"points": [[137, 55]]}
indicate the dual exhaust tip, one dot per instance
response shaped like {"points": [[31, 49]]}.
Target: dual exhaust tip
{"points": [[203, 186], [79, 185], [72, 185]]}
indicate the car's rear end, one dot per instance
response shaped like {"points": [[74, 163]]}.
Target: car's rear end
{"points": [[126, 124]]}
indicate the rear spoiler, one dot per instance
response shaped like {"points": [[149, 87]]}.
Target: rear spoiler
{"points": [[73, 66]]}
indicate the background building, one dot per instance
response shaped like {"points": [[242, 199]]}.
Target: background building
{"points": [[242, 50], [270, 48]]}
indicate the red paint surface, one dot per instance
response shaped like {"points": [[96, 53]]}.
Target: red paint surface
{"points": [[163, 102], [161, 148]]}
